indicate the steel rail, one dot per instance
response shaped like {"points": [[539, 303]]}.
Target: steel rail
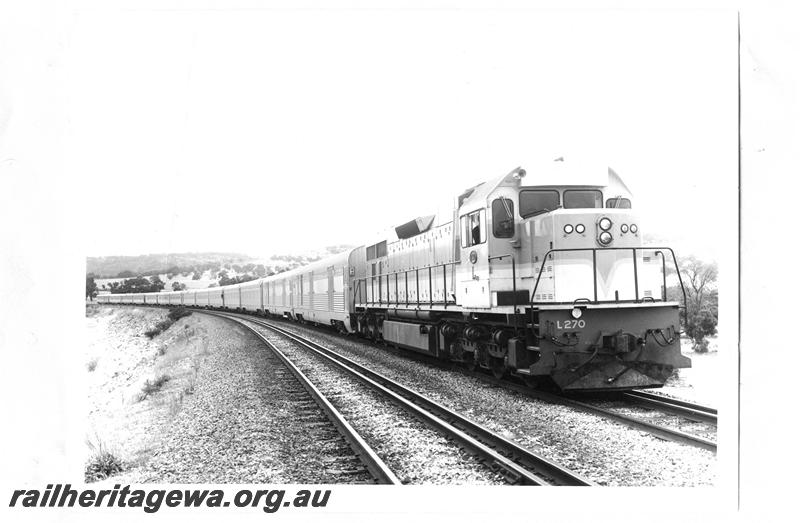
{"points": [[652, 428], [639, 424], [674, 401], [519, 464], [374, 464], [675, 406]]}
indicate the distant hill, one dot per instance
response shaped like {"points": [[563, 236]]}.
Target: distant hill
{"points": [[150, 264], [201, 269]]}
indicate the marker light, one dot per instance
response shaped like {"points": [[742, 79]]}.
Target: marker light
{"points": [[568, 229], [605, 224], [623, 227], [605, 238], [634, 228], [580, 228], [577, 313]]}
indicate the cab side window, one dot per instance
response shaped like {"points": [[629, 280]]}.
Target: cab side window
{"points": [[618, 203], [503, 218], [473, 228]]}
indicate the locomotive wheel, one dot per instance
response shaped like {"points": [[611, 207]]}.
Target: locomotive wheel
{"points": [[497, 366]]}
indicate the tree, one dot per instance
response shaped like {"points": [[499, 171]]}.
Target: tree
{"points": [[91, 287], [156, 284], [226, 280], [126, 274], [245, 277], [699, 280], [131, 285], [178, 286], [197, 275]]}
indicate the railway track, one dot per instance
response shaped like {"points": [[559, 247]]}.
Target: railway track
{"points": [[301, 390], [657, 430], [653, 401], [517, 464], [684, 409]]}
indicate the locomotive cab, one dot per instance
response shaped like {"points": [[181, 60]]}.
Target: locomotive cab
{"points": [[563, 265]]}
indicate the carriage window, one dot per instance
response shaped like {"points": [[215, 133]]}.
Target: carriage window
{"points": [[537, 202], [503, 218], [583, 200], [618, 203], [473, 228]]}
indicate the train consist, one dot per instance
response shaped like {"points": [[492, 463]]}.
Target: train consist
{"points": [[548, 282]]}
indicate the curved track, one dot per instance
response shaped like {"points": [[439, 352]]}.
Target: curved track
{"points": [[374, 465], [659, 431], [517, 464]]}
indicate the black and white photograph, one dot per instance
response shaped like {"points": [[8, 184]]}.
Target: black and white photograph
{"points": [[352, 262]]}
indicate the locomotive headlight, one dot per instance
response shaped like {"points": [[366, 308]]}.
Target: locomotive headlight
{"points": [[605, 224], [605, 238], [623, 227], [577, 313], [634, 228], [568, 228], [580, 228], [473, 256]]}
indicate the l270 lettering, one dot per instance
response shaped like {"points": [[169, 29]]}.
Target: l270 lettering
{"points": [[570, 324]]}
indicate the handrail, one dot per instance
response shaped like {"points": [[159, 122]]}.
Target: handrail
{"points": [[657, 250], [680, 280], [396, 274]]}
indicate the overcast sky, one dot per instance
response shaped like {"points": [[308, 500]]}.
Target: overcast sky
{"points": [[276, 130]]}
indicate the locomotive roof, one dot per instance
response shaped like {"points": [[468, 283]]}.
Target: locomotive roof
{"points": [[557, 173]]}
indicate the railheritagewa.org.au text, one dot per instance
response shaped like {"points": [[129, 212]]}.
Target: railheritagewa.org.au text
{"points": [[152, 500]]}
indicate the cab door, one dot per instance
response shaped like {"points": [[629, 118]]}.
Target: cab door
{"points": [[473, 274]]}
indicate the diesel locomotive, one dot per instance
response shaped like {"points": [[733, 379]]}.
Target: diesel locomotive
{"points": [[542, 276]]}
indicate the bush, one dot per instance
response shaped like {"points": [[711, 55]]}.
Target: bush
{"points": [[102, 463], [151, 387], [101, 466], [173, 316], [699, 324], [178, 313], [158, 329]]}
